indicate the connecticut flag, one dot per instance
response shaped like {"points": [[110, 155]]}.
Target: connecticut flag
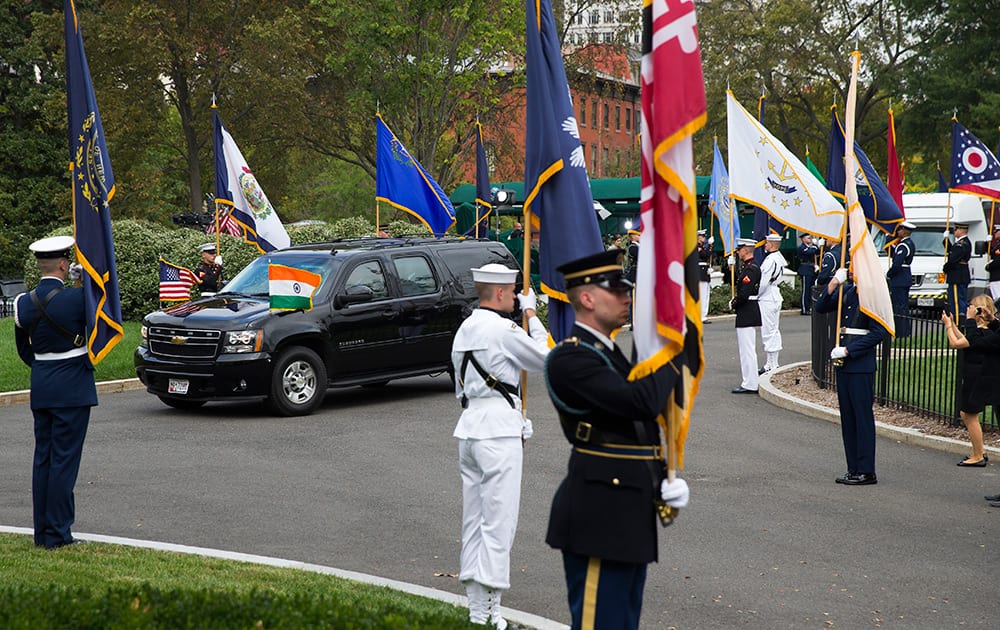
{"points": [[291, 289]]}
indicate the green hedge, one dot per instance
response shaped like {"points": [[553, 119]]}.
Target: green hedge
{"points": [[145, 606]]}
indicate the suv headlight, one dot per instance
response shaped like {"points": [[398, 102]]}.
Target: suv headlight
{"points": [[144, 336], [242, 341]]}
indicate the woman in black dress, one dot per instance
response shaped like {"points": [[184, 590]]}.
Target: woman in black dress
{"points": [[982, 367]]}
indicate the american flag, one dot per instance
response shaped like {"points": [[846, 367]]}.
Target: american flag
{"points": [[175, 282], [227, 225], [666, 314]]}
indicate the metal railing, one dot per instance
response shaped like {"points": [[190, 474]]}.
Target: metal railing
{"points": [[918, 373]]}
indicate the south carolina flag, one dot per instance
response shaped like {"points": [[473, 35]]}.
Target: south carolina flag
{"points": [[291, 289]]}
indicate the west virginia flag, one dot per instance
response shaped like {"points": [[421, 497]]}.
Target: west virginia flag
{"points": [[558, 201], [93, 188]]}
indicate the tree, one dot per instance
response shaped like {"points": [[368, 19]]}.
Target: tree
{"points": [[34, 184]]}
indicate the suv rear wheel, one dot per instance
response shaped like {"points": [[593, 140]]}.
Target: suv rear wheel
{"points": [[298, 382]]}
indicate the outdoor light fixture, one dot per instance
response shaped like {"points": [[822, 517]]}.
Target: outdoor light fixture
{"points": [[503, 198]]}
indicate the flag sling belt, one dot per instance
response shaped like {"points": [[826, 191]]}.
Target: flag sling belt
{"points": [[506, 390]]}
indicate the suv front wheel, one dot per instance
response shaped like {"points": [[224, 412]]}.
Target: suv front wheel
{"points": [[298, 382]]}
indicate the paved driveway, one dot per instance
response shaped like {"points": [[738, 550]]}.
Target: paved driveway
{"points": [[370, 484]]}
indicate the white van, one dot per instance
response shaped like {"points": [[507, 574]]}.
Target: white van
{"points": [[931, 212]]}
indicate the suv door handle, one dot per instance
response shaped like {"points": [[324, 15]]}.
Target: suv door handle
{"points": [[389, 313]]}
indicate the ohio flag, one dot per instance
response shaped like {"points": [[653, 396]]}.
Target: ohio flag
{"points": [[290, 288]]}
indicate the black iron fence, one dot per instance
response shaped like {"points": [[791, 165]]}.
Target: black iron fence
{"points": [[918, 372]]}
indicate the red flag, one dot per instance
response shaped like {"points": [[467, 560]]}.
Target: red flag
{"points": [[894, 178], [666, 314]]}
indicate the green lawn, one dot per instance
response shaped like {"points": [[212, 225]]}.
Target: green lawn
{"points": [[14, 374], [111, 586]]}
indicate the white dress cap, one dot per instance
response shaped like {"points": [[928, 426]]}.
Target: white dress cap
{"points": [[494, 273], [52, 247], [774, 237]]}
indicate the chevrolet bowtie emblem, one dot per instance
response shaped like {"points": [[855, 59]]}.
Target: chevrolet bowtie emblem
{"points": [[178, 340]]}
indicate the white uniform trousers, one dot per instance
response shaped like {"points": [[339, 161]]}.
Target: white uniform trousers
{"points": [[995, 289], [747, 340], [770, 334], [705, 290], [491, 497]]}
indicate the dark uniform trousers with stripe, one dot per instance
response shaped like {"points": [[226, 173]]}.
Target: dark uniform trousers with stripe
{"points": [[958, 276], [603, 516], [62, 393]]}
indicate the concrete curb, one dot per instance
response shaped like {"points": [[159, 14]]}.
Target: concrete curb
{"points": [[905, 435], [526, 620], [104, 387]]}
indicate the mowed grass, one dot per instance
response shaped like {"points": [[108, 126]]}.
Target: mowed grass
{"points": [[15, 375], [253, 589]]}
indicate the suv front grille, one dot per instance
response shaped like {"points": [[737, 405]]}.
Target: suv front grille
{"points": [[183, 343]]}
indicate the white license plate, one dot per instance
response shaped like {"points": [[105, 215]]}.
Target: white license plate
{"points": [[925, 301], [178, 386]]}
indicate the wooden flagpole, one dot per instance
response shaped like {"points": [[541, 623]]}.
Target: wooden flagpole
{"points": [[526, 284]]}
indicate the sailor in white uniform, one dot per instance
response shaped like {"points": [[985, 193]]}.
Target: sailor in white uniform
{"points": [[769, 299], [488, 354]]}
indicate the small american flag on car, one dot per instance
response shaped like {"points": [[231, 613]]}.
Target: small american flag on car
{"points": [[175, 282]]}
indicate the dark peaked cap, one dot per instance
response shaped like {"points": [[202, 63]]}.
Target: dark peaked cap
{"points": [[603, 269]]}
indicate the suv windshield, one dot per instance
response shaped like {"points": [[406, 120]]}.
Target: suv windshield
{"points": [[253, 279]]}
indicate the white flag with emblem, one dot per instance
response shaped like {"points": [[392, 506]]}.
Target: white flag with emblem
{"points": [[764, 173]]}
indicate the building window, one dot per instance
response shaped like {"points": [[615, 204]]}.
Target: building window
{"points": [[593, 159], [638, 120], [606, 109], [593, 114], [595, 17], [609, 16], [583, 111], [604, 165], [618, 117], [628, 119]]}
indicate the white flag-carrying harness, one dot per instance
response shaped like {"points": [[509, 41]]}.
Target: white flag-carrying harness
{"points": [[764, 173]]}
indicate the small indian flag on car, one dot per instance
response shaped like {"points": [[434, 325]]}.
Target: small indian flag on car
{"points": [[290, 288]]}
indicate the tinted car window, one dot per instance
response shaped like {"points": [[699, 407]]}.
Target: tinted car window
{"points": [[415, 275], [461, 260], [369, 274], [253, 279]]}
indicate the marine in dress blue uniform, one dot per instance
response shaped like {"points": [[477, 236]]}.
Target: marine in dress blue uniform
{"points": [[808, 253], [993, 266], [748, 318], [956, 272], [50, 334], [860, 336], [900, 278], [603, 516]]}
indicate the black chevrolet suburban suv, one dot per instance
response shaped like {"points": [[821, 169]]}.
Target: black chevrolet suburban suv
{"points": [[385, 309]]}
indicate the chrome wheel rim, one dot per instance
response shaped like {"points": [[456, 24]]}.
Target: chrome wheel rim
{"points": [[298, 382]]}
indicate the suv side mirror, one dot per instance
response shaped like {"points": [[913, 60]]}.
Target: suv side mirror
{"points": [[981, 247], [354, 295]]}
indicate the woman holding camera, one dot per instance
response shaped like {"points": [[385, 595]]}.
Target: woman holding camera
{"points": [[982, 366]]}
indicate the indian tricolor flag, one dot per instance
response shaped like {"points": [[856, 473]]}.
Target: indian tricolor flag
{"points": [[290, 288]]}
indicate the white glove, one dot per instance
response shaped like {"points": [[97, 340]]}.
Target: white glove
{"points": [[218, 260], [675, 493], [528, 300], [815, 268], [946, 234], [838, 353], [711, 240], [821, 242], [841, 275], [526, 429], [730, 261], [75, 271]]}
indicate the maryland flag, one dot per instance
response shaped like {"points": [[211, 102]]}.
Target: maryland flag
{"points": [[666, 313]]}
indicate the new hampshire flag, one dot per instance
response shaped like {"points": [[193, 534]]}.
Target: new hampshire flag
{"points": [[291, 289], [236, 186]]}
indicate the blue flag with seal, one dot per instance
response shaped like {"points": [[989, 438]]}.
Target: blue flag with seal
{"points": [[877, 204], [722, 204], [93, 187], [484, 205], [401, 182], [558, 200]]}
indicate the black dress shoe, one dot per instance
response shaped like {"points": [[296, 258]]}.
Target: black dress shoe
{"points": [[995, 503], [74, 541], [761, 371], [843, 478], [741, 390], [859, 479], [992, 497]]}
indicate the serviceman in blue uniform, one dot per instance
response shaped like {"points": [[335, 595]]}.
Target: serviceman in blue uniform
{"points": [[604, 514], [900, 278], [956, 272], [704, 249], [830, 262], [50, 334], [854, 358], [993, 266], [808, 253]]}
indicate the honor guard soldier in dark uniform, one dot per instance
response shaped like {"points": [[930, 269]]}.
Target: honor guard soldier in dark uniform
{"points": [[604, 513], [632, 255], [900, 278], [854, 358], [956, 272], [704, 271], [829, 263], [209, 272], [51, 338], [808, 253], [993, 266], [748, 318]]}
